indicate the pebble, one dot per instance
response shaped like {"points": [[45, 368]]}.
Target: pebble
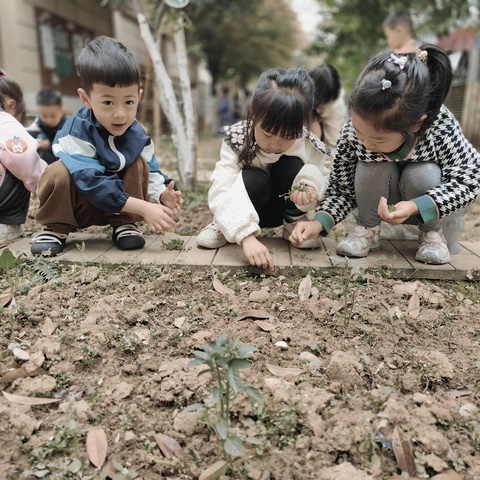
{"points": [[20, 354]]}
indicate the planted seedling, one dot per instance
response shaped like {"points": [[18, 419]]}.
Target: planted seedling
{"points": [[224, 360]]}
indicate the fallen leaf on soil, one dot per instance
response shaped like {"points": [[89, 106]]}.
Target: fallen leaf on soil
{"points": [[221, 288], [97, 446], [448, 475], [5, 298], [29, 400], [265, 326], [305, 288], [252, 313], [414, 305], [21, 372], [461, 392], [4, 467], [403, 452], [336, 308], [284, 372], [214, 471], [48, 327], [168, 445], [314, 310]]}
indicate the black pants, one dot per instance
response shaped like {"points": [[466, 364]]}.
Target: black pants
{"points": [[266, 190], [14, 201]]}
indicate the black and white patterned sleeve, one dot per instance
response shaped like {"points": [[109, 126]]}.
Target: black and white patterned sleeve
{"points": [[460, 163], [339, 198]]}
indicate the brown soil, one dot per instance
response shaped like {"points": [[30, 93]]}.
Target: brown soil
{"points": [[372, 375]]}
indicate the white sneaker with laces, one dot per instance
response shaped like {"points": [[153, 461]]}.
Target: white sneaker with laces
{"points": [[9, 233], [307, 244], [211, 237], [433, 248], [360, 242]]}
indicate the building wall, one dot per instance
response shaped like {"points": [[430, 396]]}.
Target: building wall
{"points": [[19, 43]]}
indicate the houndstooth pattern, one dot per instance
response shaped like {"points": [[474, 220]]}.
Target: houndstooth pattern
{"points": [[443, 143]]}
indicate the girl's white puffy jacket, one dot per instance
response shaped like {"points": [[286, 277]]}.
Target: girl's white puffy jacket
{"points": [[18, 153], [228, 199]]}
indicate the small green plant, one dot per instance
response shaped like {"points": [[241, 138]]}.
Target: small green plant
{"points": [[80, 246], [299, 187], [392, 208], [224, 360], [176, 244]]}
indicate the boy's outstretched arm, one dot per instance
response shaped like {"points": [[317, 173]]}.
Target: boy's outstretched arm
{"points": [[172, 198], [157, 216], [304, 231]]}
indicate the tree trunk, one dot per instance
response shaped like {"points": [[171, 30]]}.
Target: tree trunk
{"points": [[168, 101], [188, 110]]}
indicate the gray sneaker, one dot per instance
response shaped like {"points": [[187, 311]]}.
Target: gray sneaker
{"points": [[433, 248], [360, 242]]}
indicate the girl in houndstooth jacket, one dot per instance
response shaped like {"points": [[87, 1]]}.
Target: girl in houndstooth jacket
{"points": [[401, 158]]}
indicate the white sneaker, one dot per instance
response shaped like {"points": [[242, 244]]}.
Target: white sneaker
{"points": [[9, 233], [307, 244], [433, 248], [211, 237], [360, 242]]}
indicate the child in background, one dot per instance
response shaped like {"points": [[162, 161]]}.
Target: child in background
{"points": [[20, 165], [107, 173], [271, 169], [329, 107], [400, 158], [398, 30], [49, 121]]}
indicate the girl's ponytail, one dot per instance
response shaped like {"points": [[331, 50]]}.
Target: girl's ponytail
{"points": [[440, 71]]}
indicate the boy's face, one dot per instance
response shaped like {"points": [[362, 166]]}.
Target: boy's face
{"points": [[51, 115], [396, 37], [114, 107]]}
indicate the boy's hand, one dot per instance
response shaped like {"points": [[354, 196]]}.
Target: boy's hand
{"points": [[398, 213], [303, 198], [171, 198], [257, 253], [44, 144], [304, 231], [158, 217]]}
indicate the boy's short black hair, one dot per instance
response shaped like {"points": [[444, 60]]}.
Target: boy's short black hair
{"points": [[107, 61], [399, 19], [48, 96]]}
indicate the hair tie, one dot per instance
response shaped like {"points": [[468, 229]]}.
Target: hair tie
{"points": [[386, 84], [399, 61], [422, 55]]}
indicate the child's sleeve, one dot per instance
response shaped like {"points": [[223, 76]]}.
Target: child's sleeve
{"points": [[18, 152]]}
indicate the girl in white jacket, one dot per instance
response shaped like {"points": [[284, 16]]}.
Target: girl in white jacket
{"points": [[271, 170]]}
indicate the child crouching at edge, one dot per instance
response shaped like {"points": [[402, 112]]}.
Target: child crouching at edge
{"points": [[20, 165], [271, 170], [107, 173], [401, 158]]}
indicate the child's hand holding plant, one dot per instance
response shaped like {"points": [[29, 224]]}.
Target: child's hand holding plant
{"points": [[301, 194]]}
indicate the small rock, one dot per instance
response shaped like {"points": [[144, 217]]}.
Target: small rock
{"points": [[21, 354], [468, 410], [259, 296], [312, 360]]}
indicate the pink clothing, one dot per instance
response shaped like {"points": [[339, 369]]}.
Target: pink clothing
{"points": [[18, 153]]}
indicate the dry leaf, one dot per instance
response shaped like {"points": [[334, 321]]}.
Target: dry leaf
{"points": [[169, 446], [337, 307], [5, 298], [221, 288], [414, 305], [284, 372], [305, 288], [252, 313], [265, 326], [314, 310], [97, 446], [214, 471], [48, 327], [403, 453], [21, 372], [29, 400]]}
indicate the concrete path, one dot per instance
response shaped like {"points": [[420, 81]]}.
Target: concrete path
{"points": [[396, 258]]}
